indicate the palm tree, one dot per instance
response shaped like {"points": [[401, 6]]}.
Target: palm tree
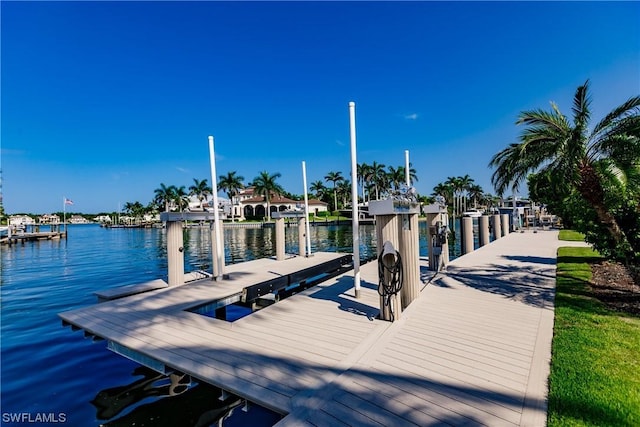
{"points": [[201, 190], [181, 197], [334, 177], [364, 175], [164, 195], [318, 189], [231, 184], [413, 176], [378, 177], [344, 190], [572, 153], [474, 192], [465, 182], [395, 177], [266, 185], [457, 187]]}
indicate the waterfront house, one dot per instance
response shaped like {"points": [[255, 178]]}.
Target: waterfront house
{"points": [[49, 219], [247, 204], [21, 220]]}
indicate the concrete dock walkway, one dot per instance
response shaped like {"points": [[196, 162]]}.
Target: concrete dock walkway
{"points": [[472, 349]]}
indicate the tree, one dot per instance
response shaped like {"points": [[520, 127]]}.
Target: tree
{"points": [[344, 191], [378, 177], [572, 153], [334, 177], [266, 185], [164, 195], [395, 177], [231, 184], [413, 176], [181, 197], [201, 190], [318, 189], [364, 175], [475, 193]]}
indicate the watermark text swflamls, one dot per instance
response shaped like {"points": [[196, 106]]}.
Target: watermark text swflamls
{"points": [[34, 417]]}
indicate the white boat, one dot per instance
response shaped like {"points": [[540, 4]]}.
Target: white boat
{"points": [[474, 213]]}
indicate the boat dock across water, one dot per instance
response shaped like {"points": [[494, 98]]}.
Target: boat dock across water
{"points": [[473, 348]]}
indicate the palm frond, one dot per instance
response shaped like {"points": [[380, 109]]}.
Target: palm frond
{"points": [[629, 108], [581, 112]]}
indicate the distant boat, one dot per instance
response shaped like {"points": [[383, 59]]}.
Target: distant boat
{"points": [[4, 231], [473, 213]]}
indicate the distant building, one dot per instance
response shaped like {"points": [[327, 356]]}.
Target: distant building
{"points": [[79, 219], [21, 220], [247, 204], [49, 219], [103, 219]]}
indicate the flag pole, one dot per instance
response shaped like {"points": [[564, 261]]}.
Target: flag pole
{"points": [[64, 213]]}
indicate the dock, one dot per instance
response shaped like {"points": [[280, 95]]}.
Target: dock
{"points": [[474, 347], [32, 237]]}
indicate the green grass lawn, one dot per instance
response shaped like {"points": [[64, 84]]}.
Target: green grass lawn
{"points": [[571, 236], [595, 367]]}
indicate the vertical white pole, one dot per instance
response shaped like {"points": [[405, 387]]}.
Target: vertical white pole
{"points": [[354, 200], [64, 212], [306, 208], [406, 168], [216, 216]]}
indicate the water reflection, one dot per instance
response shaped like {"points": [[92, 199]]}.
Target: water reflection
{"points": [[174, 402], [243, 244]]}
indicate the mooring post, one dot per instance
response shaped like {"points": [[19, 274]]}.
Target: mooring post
{"points": [[495, 225], [437, 222], [483, 230], [175, 255], [387, 231], [301, 236], [410, 250], [504, 221], [467, 234], [279, 238]]}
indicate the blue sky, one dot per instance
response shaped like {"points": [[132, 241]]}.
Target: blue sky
{"points": [[103, 101]]}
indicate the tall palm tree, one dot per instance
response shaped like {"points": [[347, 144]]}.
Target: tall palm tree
{"points": [[573, 153], [413, 176], [181, 197], [265, 184], [465, 182], [334, 177], [200, 189], [395, 177], [318, 189], [378, 177], [344, 190], [456, 184], [475, 193], [164, 195], [364, 175], [231, 184]]}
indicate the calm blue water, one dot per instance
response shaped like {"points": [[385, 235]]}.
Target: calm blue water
{"points": [[49, 372]]}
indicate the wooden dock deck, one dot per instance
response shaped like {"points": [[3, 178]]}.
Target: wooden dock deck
{"points": [[32, 237], [473, 349]]}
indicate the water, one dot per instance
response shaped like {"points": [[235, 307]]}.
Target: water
{"points": [[50, 373]]}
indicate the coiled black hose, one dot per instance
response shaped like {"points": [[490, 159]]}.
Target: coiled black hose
{"points": [[396, 279]]}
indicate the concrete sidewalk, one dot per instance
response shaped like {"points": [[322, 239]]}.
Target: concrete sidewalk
{"points": [[473, 349]]}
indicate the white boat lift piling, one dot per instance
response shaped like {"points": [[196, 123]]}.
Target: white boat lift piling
{"points": [[354, 200], [217, 247], [306, 209]]}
